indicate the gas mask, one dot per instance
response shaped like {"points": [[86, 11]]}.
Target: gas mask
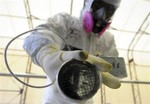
{"points": [[98, 18]]}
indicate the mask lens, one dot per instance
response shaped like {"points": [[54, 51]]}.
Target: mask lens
{"points": [[102, 13], [102, 8], [99, 13], [109, 12]]}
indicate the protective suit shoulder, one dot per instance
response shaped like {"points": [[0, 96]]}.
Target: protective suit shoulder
{"points": [[49, 33]]}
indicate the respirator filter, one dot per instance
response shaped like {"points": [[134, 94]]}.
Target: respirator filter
{"points": [[78, 80]]}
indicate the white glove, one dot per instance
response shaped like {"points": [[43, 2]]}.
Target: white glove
{"points": [[50, 58], [104, 68]]}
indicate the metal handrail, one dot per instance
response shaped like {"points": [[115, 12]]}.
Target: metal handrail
{"points": [[25, 75]]}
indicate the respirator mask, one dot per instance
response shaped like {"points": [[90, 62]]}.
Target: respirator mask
{"points": [[98, 18]]}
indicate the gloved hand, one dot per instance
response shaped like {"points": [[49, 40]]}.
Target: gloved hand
{"points": [[104, 68], [50, 58]]}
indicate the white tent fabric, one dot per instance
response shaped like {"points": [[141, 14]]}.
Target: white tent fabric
{"points": [[131, 28]]}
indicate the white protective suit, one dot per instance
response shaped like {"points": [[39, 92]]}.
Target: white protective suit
{"points": [[45, 47]]}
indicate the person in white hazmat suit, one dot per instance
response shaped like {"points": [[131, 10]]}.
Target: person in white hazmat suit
{"points": [[86, 38]]}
